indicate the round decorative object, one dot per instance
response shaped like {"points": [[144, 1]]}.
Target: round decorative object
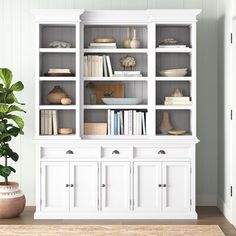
{"points": [[177, 131], [66, 101], [165, 126], [104, 40], [65, 131], [134, 43], [126, 42], [168, 41], [128, 62], [55, 95], [12, 200], [177, 93]]}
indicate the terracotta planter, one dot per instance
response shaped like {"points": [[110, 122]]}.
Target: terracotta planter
{"points": [[12, 200]]}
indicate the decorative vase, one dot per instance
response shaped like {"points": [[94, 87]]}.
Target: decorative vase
{"points": [[12, 200], [66, 101], [55, 95], [177, 93], [165, 123], [134, 43], [126, 42]]}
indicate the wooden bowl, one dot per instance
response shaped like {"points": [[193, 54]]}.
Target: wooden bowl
{"points": [[104, 40], [65, 131], [177, 131]]}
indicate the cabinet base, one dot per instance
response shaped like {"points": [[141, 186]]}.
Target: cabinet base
{"points": [[109, 216]]}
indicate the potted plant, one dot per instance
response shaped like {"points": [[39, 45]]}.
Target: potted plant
{"points": [[12, 200]]}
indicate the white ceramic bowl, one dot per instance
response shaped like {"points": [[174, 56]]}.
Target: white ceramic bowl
{"points": [[122, 101], [174, 72]]}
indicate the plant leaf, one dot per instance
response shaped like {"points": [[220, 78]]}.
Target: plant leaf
{"points": [[14, 131], [15, 108], [6, 76], [14, 156], [5, 171], [18, 86], [18, 120], [4, 108]]}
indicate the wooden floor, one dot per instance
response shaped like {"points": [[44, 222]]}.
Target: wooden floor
{"points": [[207, 216]]}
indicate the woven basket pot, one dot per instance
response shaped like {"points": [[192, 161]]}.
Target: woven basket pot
{"points": [[12, 200]]}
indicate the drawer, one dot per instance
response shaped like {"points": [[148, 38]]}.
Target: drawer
{"points": [[117, 152], [70, 152], [162, 152]]}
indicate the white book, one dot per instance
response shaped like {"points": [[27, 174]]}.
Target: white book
{"points": [[102, 47], [103, 44], [138, 131], [55, 122], [85, 66], [118, 123], [105, 72], [177, 103], [100, 66], [126, 122], [109, 122], [55, 70], [46, 121], [109, 66], [121, 123], [93, 67], [173, 46], [96, 66], [121, 75], [42, 122], [89, 65], [139, 122], [112, 122], [143, 123], [179, 99], [127, 72], [50, 122], [134, 122], [130, 122]]}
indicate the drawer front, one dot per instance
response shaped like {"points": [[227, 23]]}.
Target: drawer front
{"points": [[70, 152], [119, 152], [162, 152]]}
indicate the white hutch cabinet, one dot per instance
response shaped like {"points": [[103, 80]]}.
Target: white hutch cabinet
{"points": [[84, 176]]}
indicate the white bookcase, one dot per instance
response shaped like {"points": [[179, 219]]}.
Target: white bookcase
{"points": [[105, 176]]}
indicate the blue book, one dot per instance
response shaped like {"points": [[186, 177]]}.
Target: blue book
{"points": [[116, 123]]}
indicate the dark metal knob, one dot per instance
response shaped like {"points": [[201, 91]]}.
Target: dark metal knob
{"points": [[103, 185], [116, 152], [69, 152], [67, 185], [161, 152], [72, 185], [159, 185], [164, 185]]}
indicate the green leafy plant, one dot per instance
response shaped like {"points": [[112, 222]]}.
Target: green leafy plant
{"points": [[11, 125]]}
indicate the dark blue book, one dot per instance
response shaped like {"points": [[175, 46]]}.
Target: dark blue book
{"points": [[116, 123]]}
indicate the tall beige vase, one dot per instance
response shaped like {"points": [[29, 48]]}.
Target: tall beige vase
{"points": [[165, 125], [12, 200]]}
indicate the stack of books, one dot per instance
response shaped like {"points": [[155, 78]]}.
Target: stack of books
{"points": [[97, 66], [59, 72], [173, 46], [126, 122], [177, 101], [127, 73], [102, 45], [49, 122]]}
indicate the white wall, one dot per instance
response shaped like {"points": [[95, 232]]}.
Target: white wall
{"points": [[16, 52]]}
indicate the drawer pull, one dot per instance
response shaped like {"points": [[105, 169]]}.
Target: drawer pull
{"points": [[69, 152], [162, 152], [72, 185], [115, 152], [103, 185], [67, 185], [164, 185], [159, 185]]}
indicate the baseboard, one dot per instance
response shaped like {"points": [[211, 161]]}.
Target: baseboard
{"points": [[206, 200], [225, 209]]}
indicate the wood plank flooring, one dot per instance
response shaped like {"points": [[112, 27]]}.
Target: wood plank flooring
{"points": [[207, 216]]}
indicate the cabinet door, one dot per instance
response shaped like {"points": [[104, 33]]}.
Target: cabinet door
{"points": [[84, 186], [147, 189], [115, 186], [176, 190], [55, 186]]}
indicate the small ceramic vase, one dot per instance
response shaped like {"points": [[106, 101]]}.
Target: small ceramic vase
{"points": [[55, 95], [177, 93], [126, 42], [134, 43], [66, 101], [165, 123]]}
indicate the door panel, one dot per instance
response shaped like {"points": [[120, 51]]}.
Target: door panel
{"points": [[147, 192], [55, 186], [84, 193], [115, 186], [176, 194]]}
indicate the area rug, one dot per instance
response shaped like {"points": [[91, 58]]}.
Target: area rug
{"points": [[111, 230]]}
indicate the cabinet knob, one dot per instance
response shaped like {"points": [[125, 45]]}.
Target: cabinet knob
{"points": [[164, 185], [72, 185], [162, 152], [69, 152], [115, 152], [103, 185], [67, 185], [159, 185]]}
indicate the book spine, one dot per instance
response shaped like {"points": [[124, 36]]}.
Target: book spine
{"points": [[105, 73], [100, 63], [50, 122], [116, 123], [130, 123], [85, 66], [143, 124], [42, 124], [112, 122], [46, 122], [55, 122], [134, 122], [121, 123], [109, 122], [126, 122], [89, 65], [109, 66]]}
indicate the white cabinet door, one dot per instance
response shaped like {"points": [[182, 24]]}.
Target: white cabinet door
{"points": [[176, 186], [55, 186], [147, 186], [115, 186], [84, 186]]}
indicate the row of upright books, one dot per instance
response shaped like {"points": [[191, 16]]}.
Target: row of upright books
{"points": [[126, 122], [49, 122]]}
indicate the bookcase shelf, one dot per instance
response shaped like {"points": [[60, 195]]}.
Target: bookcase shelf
{"points": [[57, 107], [173, 50], [163, 78], [174, 107], [116, 50], [130, 78], [55, 78], [57, 50], [115, 107]]}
